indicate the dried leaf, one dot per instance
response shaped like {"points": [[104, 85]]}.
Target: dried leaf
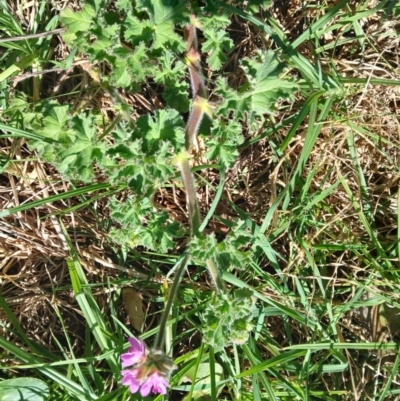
{"points": [[134, 307]]}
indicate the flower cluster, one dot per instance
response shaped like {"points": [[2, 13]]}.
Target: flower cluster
{"points": [[150, 370]]}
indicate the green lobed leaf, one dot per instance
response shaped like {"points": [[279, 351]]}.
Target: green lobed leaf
{"points": [[255, 5], [130, 67], [234, 253], [77, 146], [228, 318], [230, 253], [214, 21], [52, 120], [78, 159], [223, 150], [204, 247], [106, 37], [121, 76], [146, 152], [124, 5], [137, 31], [163, 15], [176, 96], [138, 63], [171, 74], [166, 125], [262, 91], [217, 44], [79, 21], [226, 136], [143, 225]]}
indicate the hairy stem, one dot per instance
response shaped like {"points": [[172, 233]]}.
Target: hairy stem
{"points": [[191, 198], [193, 125], [193, 59], [196, 75], [200, 107]]}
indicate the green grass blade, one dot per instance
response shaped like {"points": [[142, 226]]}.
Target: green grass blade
{"points": [[212, 374], [281, 359], [79, 372], [196, 368], [215, 201], [293, 313], [260, 375], [372, 81], [71, 386], [89, 307], [54, 198], [320, 24], [19, 133], [313, 130], [393, 371], [21, 333], [300, 118], [364, 220], [319, 79], [339, 346]]}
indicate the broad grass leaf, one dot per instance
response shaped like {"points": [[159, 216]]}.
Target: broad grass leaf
{"points": [[23, 389], [201, 376]]}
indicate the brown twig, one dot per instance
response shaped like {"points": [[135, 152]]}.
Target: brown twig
{"points": [[32, 36], [27, 75]]}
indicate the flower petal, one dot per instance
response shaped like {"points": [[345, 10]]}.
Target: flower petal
{"points": [[154, 383], [135, 354], [160, 388], [130, 379], [137, 346], [145, 389], [129, 359], [134, 387]]}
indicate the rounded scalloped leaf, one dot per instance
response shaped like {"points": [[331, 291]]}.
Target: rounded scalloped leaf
{"points": [[23, 389]]}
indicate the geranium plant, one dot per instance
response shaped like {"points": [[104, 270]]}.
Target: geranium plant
{"points": [[159, 40]]}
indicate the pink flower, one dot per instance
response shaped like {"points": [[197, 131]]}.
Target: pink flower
{"points": [[155, 382], [135, 354], [129, 379], [150, 369]]}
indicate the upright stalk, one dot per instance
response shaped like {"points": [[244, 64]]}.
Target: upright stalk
{"points": [[200, 106], [191, 197]]}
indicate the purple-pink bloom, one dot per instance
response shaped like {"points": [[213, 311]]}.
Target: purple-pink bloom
{"points": [[154, 383], [129, 379], [149, 370], [135, 354]]}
